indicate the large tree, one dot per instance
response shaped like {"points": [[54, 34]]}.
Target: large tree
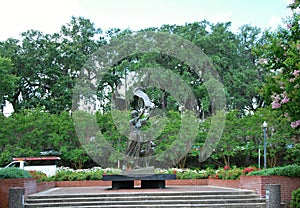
{"points": [[280, 55], [48, 64]]}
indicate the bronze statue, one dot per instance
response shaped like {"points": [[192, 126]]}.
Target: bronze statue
{"points": [[136, 140]]}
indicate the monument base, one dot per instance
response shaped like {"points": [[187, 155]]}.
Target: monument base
{"points": [[147, 181]]}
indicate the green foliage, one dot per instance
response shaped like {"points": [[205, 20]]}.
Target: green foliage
{"points": [[47, 64], [225, 173], [38, 176], [280, 57], [290, 171], [5, 157], [29, 132], [295, 199], [67, 174], [7, 173], [64, 53], [231, 174], [293, 154], [243, 136], [8, 81], [194, 175]]}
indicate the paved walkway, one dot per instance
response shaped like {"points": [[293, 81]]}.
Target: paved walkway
{"points": [[103, 189]]}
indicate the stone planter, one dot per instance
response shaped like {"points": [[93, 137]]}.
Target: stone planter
{"points": [[258, 184], [29, 184]]}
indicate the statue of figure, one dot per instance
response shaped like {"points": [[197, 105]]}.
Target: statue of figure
{"points": [[135, 139], [147, 151]]}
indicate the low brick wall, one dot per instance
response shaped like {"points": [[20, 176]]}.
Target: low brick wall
{"points": [[82, 183], [191, 182], [187, 182], [5, 184], [178, 182], [258, 184], [42, 186], [224, 183]]}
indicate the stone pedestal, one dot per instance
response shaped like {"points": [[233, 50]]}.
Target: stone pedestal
{"points": [[16, 197], [147, 181], [273, 196]]}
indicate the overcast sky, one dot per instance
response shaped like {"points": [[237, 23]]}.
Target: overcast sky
{"points": [[48, 16]]}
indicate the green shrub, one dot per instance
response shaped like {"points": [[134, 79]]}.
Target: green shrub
{"points": [[190, 175], [178, 174], [13, 172], [67, 174], [290, 171], [38, 176], [295, 203], [229, 174], [210, 171]]}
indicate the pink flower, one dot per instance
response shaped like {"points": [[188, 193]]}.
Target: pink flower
{"points": [[263, 61], [275, 105], [275, 97], [296, 73], [276, 101], [295, 124], [285, 100]]}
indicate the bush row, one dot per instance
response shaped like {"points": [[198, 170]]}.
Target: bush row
{"points": [[289, 170], [13, 172], [96, 173], [67, 174]]}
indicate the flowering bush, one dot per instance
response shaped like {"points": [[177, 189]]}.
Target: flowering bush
{"points": [[249, 170], [280, 56], [96, 173], [230, 174]]}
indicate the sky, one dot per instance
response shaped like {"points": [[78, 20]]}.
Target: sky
{"points": [[17, 16]]}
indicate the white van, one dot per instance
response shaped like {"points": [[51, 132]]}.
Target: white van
{"points": [[47, 165]]}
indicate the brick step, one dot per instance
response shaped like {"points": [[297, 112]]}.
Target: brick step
{"points": [[257, 205], [235, 205], [247, 199], [145, 193], [137, 198], [155, 201]]}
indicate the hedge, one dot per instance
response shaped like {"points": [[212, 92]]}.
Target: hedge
{"points": [[13, 172], [290, 171]]}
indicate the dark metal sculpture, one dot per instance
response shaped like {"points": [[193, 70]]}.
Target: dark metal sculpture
{"points": [[134, 148]]}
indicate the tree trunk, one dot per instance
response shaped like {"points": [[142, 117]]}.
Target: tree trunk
{"points": [[226, 160]]}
